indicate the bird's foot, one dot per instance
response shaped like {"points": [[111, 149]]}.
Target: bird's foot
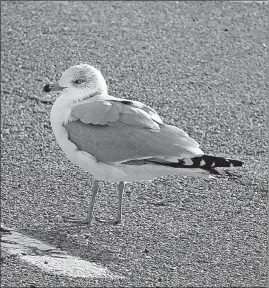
{"points": [[85, 221], [109, 221]]}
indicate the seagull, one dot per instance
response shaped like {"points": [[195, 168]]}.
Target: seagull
{"points": [[120, 140]]}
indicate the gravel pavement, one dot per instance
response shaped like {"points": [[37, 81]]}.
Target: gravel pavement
{"points": [[202, 66]]}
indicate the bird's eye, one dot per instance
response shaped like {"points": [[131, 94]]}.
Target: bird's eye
{"points": [[79, 81]]}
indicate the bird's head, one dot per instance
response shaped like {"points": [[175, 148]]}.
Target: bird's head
{"points": [[79, 82]]}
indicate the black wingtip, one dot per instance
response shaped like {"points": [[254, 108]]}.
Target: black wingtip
{"points": [[46, 88], [236, 163]]}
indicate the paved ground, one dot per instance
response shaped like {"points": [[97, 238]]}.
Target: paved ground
{"points": [[202, 66]]}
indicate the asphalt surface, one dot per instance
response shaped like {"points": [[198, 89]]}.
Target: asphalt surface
{"points": [[202, 66]]}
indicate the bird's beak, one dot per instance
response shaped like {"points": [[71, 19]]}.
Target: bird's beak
{"points": [[53, 87]]}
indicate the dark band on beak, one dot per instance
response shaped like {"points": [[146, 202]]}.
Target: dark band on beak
{"points": [[46, 88], [52, 87]]}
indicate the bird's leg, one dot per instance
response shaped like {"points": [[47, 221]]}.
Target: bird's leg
{"points": [[89, 217], [119, 208], [118, 218]]}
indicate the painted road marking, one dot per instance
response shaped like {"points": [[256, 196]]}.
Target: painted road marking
{"points": [[50, 258]]}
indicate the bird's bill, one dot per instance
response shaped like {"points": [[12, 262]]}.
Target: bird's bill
{"points": [[52, 87]]}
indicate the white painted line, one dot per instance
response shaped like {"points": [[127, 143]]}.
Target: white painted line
{"points": [[50, 258]]}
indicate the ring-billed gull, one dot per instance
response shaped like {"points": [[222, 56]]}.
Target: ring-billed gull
{"points": [[120, 140]]}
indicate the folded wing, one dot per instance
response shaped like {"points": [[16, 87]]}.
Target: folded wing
{"points": [[123, 130]]}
